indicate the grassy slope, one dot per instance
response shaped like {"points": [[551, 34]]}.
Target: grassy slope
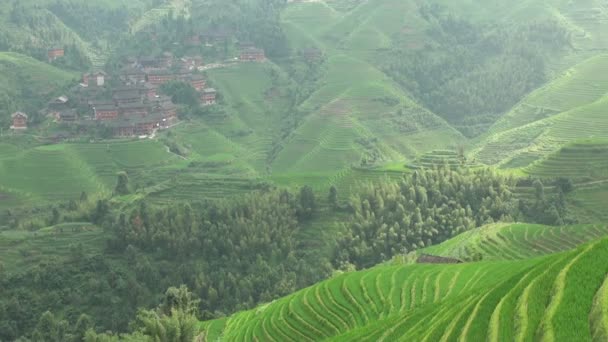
{"points": [[62, 172], [523, 299], [40, 78], [516, 241], [580, 160], [348, 105], [56, 33]]}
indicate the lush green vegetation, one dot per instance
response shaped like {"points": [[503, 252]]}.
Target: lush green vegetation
{"points": [[546, 297], [469, 73], [348, 147], [26, 84]]}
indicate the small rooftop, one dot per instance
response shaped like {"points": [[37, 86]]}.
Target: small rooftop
{"points": [[16, 114], [105, 107]]}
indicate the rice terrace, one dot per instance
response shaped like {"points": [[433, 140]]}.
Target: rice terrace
{"points": [[294, 170]]}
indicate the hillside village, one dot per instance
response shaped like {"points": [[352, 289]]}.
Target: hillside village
{"points": [[130, 103]]}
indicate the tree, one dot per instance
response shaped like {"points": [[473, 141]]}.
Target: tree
{"points": [[307, 204], [539, 190], [178, 326], [565, 184], [181, 93], [333, 196], [49, 329], [84, 197], [84, 324], [122, 184], [56, 215], [179, 299]]}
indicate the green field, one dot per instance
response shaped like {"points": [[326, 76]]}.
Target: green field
{"points": [[513, 297], [63, 172]]}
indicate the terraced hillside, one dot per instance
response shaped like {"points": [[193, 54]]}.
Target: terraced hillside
{"points": [[581, 160], [354, 34], [21, 250], [516, 241], [63, 172], [353, 115], [557, 297], [23, 77], [578, 86], [521, 146]]}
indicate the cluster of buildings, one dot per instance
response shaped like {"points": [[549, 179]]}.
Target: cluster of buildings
{"points": [[130, 103]]}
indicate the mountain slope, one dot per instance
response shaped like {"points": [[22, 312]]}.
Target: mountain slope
{"points": [[522, 145], [26, 83], [554, 297]]}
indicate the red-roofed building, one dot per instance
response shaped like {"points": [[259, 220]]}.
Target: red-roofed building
{"points": [[55, 53], [197, 82], [161, 76], [252, 54], [19, 121], [105, 112]]}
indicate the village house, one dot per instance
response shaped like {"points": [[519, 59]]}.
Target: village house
{"points": [[191, 63], [105, 112], [19, 121], [197, 81], [55, 53], [252, 54], [148, 63], [59, 103], [151, 91], [127, 96], [94, 79], [311, 54], [84, 96], [133, 110], [158, 77], [59, 108], [215, 36], [166, 60], [133, 75], [66, 115], [208, 96], [433, 259]]}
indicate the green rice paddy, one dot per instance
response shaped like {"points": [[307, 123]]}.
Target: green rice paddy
{"points": [[550, 297]]}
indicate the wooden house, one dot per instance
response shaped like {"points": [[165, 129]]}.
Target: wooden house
{"points": [[433, 259], [197, 81], [19, 121], [55, 53], [252, 54], [158, 77], [127, 96], [133, 110], [94, 79], [208, 96], [59, 103], [133, 75], [66, 115], [105, 112]]}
